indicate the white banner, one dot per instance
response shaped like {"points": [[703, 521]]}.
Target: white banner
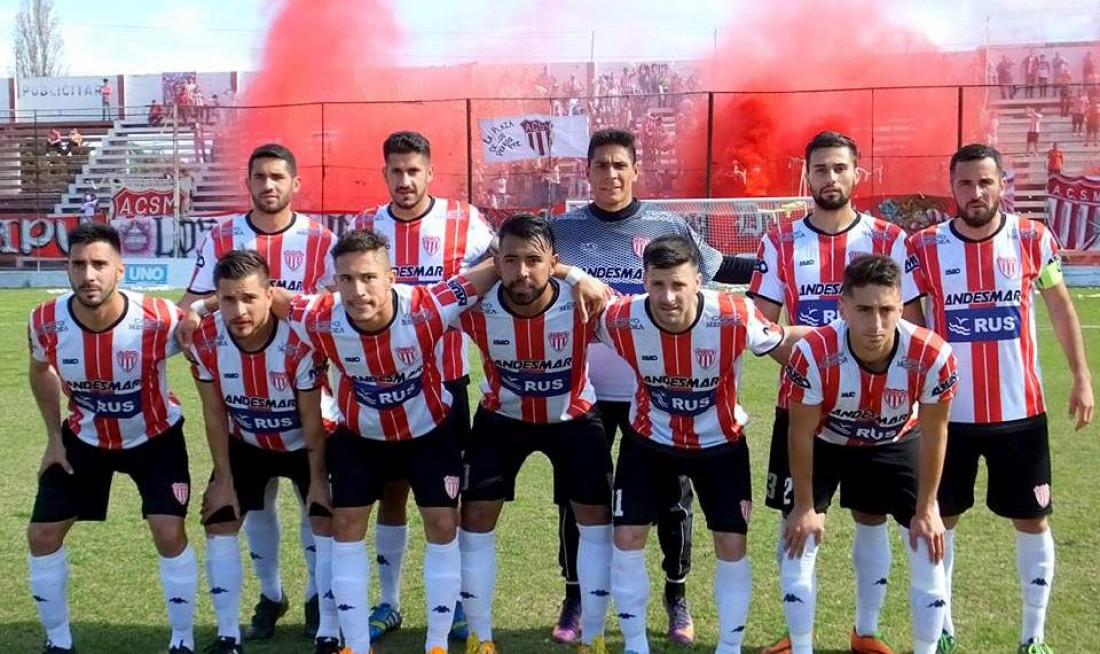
{"points": [[515, 138], [60, 99]]}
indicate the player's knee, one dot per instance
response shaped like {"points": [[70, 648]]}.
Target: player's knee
{"points": [[393, 509], [729, 546], [868, 519], [440, 525], [348, 526], [951, 521], [321, 526], [629, 538], [479, 517], [45, 538], [169, 535], [222, 528], [1031, 525]]}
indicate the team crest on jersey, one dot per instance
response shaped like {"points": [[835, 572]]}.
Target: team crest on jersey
{"points": [[127, 359], [639, 244], [746, 510], [294, 259], [894, 397], [407, 355], [430, 244], [278, 380], [1042, 495], [181, 491], [1008, 266], [706, 357], [558, 340]]}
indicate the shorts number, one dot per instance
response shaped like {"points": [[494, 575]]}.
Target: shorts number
{"points": [[788, 487], [617, 503]]}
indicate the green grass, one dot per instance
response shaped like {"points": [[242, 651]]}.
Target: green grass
{"points": [[116, 603]]}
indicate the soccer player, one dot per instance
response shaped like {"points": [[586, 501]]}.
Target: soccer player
{"points": [[684, 345], [106, 350], [800, 267], [395, 418], [261, 392], [853, 388], [981, 271], [606, 239], [296, 250], [432, 239], [536, 398]]}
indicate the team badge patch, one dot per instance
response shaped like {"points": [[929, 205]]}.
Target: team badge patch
{"points": [[407, 355], [450, 484], [706, 357], [894, 398], [558, 340], [1042, 495], [278, 380], [746, 510], [294, 259], [127, 359], [639, 244], [181, 491], [430, 244], [1008, 266]]}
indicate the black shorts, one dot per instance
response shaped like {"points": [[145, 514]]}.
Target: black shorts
{"points": [[614, 417], [1017, 456], [779, 493], [158, 468], [460, 407], [878, 480], [499, 445], [359, 468], [253, 467], [646, 483]]}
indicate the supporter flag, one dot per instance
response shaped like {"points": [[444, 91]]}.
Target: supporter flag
{"points": [[1073, 211], [515, 138]]}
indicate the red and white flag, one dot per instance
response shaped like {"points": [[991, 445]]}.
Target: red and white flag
{"points": [[1073, 211]]}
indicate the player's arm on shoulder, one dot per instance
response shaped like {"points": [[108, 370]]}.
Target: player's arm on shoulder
{"points": [[481, 277], [46, 387], [1067, 328], [590, 294], [791, 335]]}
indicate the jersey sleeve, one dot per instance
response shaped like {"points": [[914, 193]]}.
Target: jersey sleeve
{"points": [[199, 370], [310, 368], [801, 379], [202, 278], [763, 335], [172, 348], [202, 347], [1050, 266], [451, 297], [479, 240], [300, 308], [765, 279], [913, 265], [36, 340], [941, 382], [902, 252], [328, 268]]}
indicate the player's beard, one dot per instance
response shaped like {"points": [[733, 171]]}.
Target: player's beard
{"points": [[522, 294], [977, 217], [282, 203], [407, 199], [105, 294], [834, 202]]}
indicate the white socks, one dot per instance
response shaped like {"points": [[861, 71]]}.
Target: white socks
{"points": [[871, 562], [329, 625], [262, 530], [927, 596], [948, 573], [309, 551], [594, 575], [732, 591], [390, 543], [350, 577], [479, 572], [223, 573], [442, 585], [630, 589], [179, 577], [1035, 563], [49, 577], [798, 580]]}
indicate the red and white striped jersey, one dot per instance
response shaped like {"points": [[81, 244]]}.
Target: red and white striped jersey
{"points": [[802, 268], [390, 386], [687, 382], [447, 240], [859, 407], [536, 369], [260, 388], [114, 379], [298, 255], [981, 299]]}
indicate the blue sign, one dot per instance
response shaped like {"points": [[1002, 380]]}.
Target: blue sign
{"points": [[147, 273]]}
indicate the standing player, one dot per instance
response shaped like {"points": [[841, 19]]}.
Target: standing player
{"points": [[296, 250], [606, 239], [684, 345], [536, 398], [853, 388], [800, 267], [106, 349], [261, 392], [431, 240], [981, 271]]}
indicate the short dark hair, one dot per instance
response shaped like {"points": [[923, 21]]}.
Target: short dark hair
{"points": [[612, 136], [88, 233], [977, 152], [359, 240], [274, 151], [669, 251], [877, 269], [235, 265], [406, 142], [529, 227], [831, 139]]}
